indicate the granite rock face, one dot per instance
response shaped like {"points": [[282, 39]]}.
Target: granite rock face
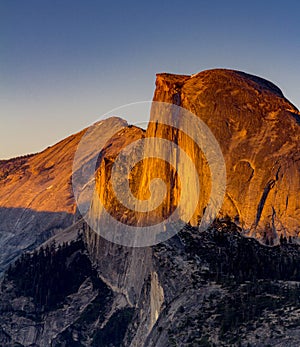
{"points": [[258, 132], [123, 268]]}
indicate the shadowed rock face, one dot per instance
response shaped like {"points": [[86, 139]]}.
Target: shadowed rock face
{"points": [[214, 288], [258, 131]]}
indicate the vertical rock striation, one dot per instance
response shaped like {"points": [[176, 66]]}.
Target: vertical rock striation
{"points": [[258, 131]]}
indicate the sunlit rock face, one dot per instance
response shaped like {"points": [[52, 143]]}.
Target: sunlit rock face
{"points": [[258, 131], [122, 268]]}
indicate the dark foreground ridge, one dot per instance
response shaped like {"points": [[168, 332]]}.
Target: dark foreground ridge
{"points": [[220, 289]]}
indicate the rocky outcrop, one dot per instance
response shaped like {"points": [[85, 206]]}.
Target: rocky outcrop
{"points": [[258, 132]]}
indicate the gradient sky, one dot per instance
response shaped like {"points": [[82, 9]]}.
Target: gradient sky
{"points": [[65, 63]]}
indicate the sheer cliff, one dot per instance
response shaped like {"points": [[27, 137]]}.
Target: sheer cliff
{"points": [[258, 132]]}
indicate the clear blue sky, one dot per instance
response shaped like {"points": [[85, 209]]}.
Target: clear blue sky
{"points": [[65, 63]]}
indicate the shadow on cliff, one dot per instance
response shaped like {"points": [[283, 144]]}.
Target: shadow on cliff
{"points": [[23, 229]]}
